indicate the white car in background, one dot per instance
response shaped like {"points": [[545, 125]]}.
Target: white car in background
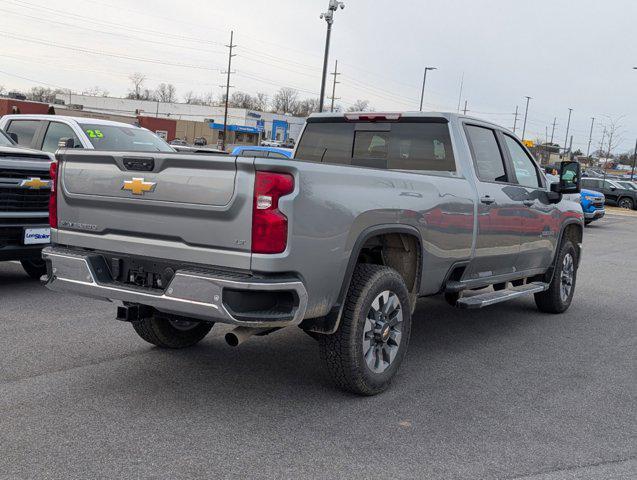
{"points": [[43, 132]]}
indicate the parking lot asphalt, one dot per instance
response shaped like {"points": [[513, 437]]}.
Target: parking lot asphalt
{"points": [[503, 393]]}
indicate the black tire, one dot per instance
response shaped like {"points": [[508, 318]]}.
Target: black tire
{"points": [[35, 268], [552, 300], [343, 354], [626, 203], [588, 222], [163, 330]]}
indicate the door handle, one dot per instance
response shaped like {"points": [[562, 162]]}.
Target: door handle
{"points": [[487, 200], [529, 203]]}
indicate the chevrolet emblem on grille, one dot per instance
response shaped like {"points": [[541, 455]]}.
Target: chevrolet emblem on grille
{"points": [[137, 186], [35, 183]]}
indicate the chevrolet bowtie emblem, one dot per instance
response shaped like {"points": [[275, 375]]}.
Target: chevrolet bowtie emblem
{"points": [[137, 186], [35, 183]]}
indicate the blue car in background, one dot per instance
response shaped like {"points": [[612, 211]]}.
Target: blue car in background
{"points": [[592, 202], [262, 152]]}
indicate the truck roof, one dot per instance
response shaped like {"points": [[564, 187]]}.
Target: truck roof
{"points": [[450, 116]]}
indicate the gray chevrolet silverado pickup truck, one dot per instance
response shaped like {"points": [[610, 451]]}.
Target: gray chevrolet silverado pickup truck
{"points": [[24, 205], [371, 213]]}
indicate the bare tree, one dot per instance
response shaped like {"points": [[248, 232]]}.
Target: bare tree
{"points": [[166, 92], [261, 101], [96, 91], [192, 98], [137, 90], [241, 100], [209, 99], [284, 101], [306, 107], [43, 94], [360, 106], [2, 90]]}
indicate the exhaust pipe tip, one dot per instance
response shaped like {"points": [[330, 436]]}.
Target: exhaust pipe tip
{"points": [[239, 335], [232, 339]]}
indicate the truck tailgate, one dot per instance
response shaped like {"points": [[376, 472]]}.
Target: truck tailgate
{"points": [[183, 207]]}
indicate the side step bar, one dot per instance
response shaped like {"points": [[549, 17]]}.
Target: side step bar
{"points": [[491, 298]]}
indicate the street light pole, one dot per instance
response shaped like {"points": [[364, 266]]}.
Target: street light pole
{"points": [[632, 173], [329, 19], [568, 126], [424, 80], [526, 112], [590, 137]]}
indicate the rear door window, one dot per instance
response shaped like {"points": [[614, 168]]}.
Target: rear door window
{"points": [[486, 154], [54, 133], [25, 131], [327, 143]]}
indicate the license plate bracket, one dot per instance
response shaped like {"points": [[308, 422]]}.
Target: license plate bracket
{"points": [[37, 236]]}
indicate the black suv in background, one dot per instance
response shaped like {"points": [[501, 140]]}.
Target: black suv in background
{"points": [[615, 193], [24, 205]]}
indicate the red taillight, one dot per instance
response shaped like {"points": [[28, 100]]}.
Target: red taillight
{"points": [[269, 225], [53, 203]]}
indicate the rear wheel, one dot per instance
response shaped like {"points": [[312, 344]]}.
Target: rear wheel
{"points": [[171, 331], [626, 203], [558, 297], [35, 268], [366, 351]]}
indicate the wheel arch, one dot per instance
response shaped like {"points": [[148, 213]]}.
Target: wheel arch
{"points": [[390, 238]]}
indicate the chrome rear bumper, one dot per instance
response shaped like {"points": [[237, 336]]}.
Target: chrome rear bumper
{"points": [[189, 293]]}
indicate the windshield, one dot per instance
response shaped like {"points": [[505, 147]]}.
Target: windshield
{"points": [[127, 139], [4, 140]]}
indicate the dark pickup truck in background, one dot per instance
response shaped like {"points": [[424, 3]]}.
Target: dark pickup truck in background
{"points": [[24, 205]]}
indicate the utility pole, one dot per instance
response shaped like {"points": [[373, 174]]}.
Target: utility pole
{"points": [[570, 149], [515, 119], [568, 126], [526, 113], [424, 80], [228, 86], [632, 173], [333, 97], [553, 131], [590, 137], [329, 19], [465, 108]]}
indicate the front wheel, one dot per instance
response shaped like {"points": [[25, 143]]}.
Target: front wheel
{"points": [[558, 297], [366, 351], [34, 268], [171, 331], [626, 203]]}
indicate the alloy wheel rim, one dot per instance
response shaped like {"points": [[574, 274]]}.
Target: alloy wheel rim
{"points": [[382, 334], [567, 277]]}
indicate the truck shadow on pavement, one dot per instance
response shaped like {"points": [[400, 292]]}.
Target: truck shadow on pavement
{"points": [[286, 363]]}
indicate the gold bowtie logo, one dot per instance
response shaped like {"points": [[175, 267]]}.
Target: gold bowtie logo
{"points": [[137, 186], [35, 183]]}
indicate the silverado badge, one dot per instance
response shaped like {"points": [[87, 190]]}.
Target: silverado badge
{"points": [[35, 183], [137, 186]]}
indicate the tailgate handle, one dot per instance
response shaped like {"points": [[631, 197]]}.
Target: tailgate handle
{"points": [[139, 164]]}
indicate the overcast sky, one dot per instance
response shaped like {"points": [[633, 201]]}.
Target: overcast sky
{"points": [[563, 53]]}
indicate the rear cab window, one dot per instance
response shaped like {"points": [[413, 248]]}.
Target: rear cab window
{"points": [[409, 144]]}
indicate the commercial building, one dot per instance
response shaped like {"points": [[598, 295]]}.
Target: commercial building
{"points": [[185, 121]]}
